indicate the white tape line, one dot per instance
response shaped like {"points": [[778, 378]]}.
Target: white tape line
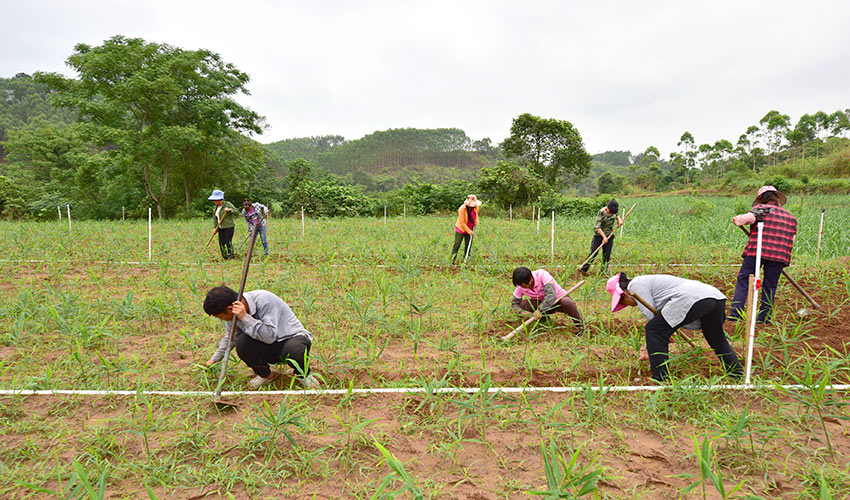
{"points": [[411, 390], [136, 263]]}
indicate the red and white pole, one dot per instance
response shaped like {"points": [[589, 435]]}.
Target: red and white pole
{"points": [[756, 306]]}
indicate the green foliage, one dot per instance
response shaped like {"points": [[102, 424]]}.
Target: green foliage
{"points": [[611, 183], [570, 206], [161, 113], [697, 207], [508, 183], [552, 149]]}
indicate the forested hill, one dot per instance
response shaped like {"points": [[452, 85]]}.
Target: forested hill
{"points": [[388, 159], [23, 104]]}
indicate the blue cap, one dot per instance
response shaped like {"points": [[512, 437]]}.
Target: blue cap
{"points": [[216, 195]]}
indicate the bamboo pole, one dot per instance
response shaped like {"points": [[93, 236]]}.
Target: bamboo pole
{"points": [[302, 220], [68, 206], [59, 209]]}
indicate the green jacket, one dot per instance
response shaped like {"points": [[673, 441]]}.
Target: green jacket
{"points": [[227, 218]]}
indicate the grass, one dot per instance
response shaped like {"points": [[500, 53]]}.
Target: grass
{"points": [[386, 311]]}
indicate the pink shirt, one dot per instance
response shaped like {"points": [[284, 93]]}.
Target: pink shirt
{"points": [[541, 277], [473, 219]]}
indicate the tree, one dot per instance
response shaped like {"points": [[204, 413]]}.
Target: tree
{"points": [[775, 127], [158, 110], [508, 183], [686, 142], [298, 183], [552, 149], [610, 183]]}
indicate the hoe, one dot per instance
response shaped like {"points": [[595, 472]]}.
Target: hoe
{"points": [[217, 398]]}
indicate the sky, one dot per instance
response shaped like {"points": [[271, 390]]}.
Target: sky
{"points": [[626, 74]]}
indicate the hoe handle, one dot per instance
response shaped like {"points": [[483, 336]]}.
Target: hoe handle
{"points": [[609, 237], [791, 280], [245, 267], [217, 226], [532, 319]]}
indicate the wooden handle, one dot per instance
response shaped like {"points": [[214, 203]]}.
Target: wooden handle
{"points": [[645, 303], [531, 319], [791, 280], [245, 267]]}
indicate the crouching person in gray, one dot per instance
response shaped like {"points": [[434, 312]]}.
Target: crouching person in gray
{"points": [[267, 332]]}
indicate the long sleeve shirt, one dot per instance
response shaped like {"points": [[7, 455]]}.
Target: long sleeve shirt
{"points": [[269, 320], [672, 297], [257, 215], [226, 218]]}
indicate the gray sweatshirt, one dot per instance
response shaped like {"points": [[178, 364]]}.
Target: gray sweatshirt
{"points": [[269, 320], [672, 296]]}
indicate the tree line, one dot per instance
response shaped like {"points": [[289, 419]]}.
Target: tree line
{"points": [[152, 124]]}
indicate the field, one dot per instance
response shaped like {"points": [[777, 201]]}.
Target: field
{"points": [[85, 310]]}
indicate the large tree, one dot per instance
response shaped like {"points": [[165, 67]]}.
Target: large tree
{"points": [[160, 112], [552, 148]]}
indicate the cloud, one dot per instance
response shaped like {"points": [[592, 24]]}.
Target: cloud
{"points": [[627, 74]]}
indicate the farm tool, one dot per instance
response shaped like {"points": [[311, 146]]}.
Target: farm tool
{"points": [[532, 319], [593, 253], [804, 311], [217, 397], [469, 246], [217, 227]]}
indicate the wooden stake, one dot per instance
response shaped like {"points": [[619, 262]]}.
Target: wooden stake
{"points": [[58, 209], [302, 220], [69, 217]]}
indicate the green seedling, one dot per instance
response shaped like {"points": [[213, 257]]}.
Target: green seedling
{"points": [[709, 473], [272, 423], [565, 477], [398, 474]]}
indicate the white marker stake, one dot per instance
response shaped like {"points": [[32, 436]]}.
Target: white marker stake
{"points": [[302, 220], [552, 239], [538, 219], [58, 209], [404, 216], [122, 213], [69, 217], [149, 235], [512, 211], [385, 214], [756, 297], [820, 232]]}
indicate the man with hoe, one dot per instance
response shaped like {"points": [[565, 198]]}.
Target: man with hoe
{"points": [[224, 222], [603, 234]]}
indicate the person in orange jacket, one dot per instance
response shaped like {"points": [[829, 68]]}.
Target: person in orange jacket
{"points": [[467, 221]]}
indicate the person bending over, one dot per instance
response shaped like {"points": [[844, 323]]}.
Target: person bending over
{"points": [[681, 303], [539, 294], [267, 332]]}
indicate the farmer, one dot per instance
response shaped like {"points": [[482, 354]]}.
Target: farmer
{"points": [[256, 214], [224, 222], [467, 219], [537, 293], [605, 220], [681, 303], [267, 332], [780, 228]]}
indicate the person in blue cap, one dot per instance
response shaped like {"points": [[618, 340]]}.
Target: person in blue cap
{"points": [[224, 222]]}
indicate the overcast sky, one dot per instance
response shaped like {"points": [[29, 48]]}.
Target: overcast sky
{"points": [[627, 74]]}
